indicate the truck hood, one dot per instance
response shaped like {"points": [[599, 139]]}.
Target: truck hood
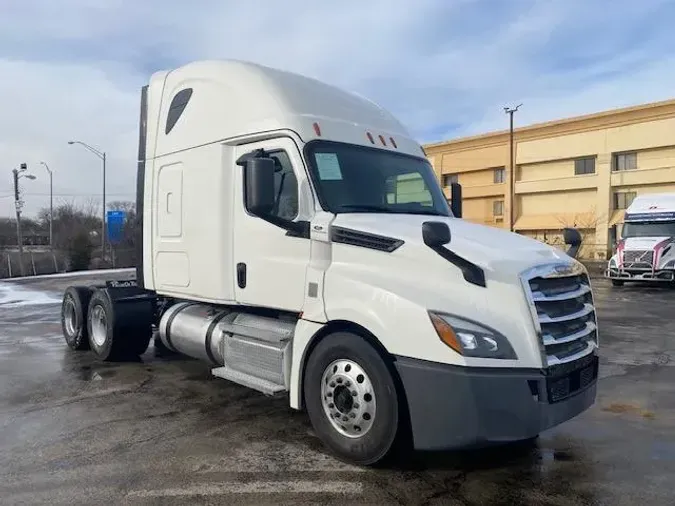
{"points": [[491, 248], [641, 243]]}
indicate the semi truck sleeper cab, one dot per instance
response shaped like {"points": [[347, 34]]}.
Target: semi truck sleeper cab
{"points": [[295, 237]]}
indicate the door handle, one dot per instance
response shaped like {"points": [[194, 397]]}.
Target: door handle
{"points": [[241, 275]]}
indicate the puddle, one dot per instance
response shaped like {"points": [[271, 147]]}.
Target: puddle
{"points": [[88, 373], [549, 455]]}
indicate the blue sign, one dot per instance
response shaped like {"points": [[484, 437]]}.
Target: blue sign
{"points": [[115, 226]]}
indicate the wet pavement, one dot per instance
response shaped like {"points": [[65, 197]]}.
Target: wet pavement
{"points": [[163, 431]]}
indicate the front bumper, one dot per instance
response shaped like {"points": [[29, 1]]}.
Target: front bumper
{"points": [[455, 407], [638, 275]]}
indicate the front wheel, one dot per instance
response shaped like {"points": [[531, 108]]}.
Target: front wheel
{"points": [[351, 399], [617, 282]]}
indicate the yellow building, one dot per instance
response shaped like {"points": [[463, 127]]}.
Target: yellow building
{"points": [[579, 172]]}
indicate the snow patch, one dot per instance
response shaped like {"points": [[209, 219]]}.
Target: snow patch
{"points": [[15, 296]]}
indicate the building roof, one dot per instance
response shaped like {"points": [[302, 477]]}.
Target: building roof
{"points": [[604, 118]]}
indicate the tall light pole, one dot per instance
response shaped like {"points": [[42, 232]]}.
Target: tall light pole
{"points": [[101, 155], [512, 173], [18, 174], [51, 206]]}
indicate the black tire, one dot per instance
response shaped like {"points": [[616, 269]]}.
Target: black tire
{"points": [[74, 309], [617, 282], [125, 333], [374, 446]]}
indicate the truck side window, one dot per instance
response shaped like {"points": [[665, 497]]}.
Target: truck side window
{"points": [[285, 187], [176, 108]]}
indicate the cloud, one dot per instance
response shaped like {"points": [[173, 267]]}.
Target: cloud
{"points": [[73, 68]]}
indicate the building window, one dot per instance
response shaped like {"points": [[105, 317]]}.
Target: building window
{"points": [[624, 161], [584, 166], [498, 208], [500, 175], [448, 179], [407, 188], [623, 199]]}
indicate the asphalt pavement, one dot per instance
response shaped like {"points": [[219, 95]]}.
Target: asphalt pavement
{"points": [[164, 431]]}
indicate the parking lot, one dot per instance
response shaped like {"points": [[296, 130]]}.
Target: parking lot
{"points": [[76, 431]]}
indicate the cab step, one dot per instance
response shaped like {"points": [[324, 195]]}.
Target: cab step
{"points": [[261, 385]]}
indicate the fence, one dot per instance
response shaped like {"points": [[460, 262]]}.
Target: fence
{"points": [[34, 263], [45, 261]]}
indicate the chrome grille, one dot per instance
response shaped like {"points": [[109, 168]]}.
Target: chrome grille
{"points": [[561, 301], [638, 258]]}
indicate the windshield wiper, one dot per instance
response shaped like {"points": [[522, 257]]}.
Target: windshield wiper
{"points": [[385, 209]]}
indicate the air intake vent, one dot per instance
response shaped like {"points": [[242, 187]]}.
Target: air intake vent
{"points": [[364, 239]]}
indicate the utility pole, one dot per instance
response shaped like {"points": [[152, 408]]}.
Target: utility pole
{"points": [[512, 172], [102, 156], [18, 203], [51, 207], [103, 213]]}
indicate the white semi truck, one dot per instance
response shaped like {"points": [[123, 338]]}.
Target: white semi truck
{"points": [[645, 250], [295, 237]]}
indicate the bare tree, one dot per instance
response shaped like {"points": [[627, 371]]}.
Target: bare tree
{"points": [[75, 229], [586, 222], [122, 205]]}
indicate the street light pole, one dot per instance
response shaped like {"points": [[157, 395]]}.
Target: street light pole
{"points": [[18, 203], [102, 156], [512, 174], [51, 207], [103, 231]]}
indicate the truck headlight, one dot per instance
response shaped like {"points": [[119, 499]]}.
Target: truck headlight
{"points": [[471, 339]]}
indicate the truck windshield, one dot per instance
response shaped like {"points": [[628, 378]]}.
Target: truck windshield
{"points": [[357, 179], [648, 229]]}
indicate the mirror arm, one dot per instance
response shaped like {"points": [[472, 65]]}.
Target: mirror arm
{"points": [[293, 228], [256, 153], [472, 273]]}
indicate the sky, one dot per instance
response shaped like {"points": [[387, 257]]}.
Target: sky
{"points": [[73, 69]]}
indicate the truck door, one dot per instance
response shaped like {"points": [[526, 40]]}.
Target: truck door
{"points": [[269, 265]]}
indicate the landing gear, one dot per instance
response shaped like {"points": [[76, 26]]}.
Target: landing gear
{"points": [[351, 399]]}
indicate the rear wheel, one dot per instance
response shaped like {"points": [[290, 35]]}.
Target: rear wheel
{"points": [[351, 399], [116, 332], [74, 317]]}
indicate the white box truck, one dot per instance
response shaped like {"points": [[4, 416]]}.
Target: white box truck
{"points": [[645, 250], [295, 237]]}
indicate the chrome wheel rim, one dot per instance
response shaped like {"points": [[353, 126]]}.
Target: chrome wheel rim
{"points": [[69, 317], [99, 325], [348, 398]]}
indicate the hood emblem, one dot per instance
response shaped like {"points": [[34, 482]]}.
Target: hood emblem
{"points": [[563, 270]]}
